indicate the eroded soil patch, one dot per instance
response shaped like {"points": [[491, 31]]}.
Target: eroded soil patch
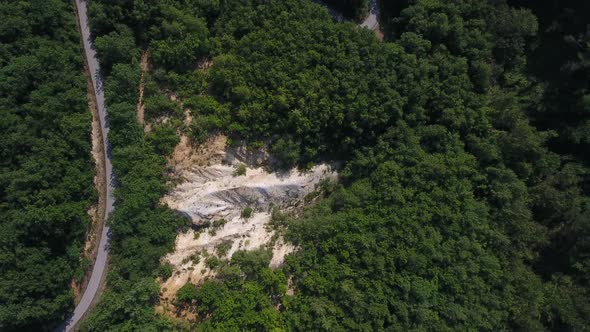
{"points": [[215, 188]]}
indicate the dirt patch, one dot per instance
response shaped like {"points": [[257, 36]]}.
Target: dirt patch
{"points": [[290, 287], [379, 34], [280, 250], [216, 186], [205, 64], [186, 156], [97, 210], [144, 62]]}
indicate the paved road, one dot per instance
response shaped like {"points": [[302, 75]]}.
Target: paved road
{"points": [[100, 265]]}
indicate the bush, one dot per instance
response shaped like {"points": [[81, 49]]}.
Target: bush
{"points": [[160, 105], [286, 151], [184, 40], [116, 47], [222, 248], [246, 213], [252, 262], [187, 84], [186, 293], [165, 271], [212, 262], [163, 138], [196, 258], [219, 223], [202, 126], [240, 170]]}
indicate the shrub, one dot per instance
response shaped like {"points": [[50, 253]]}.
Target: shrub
{"points": [[212, 262], [286, 151], [165, 271], [160, 105], [251, 262], [240, 170], [222, 248], [246, 213], [196, 259], [186, 293], [219, 223]]}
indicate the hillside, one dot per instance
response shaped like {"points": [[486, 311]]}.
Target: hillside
{"points": [[282, 170]]}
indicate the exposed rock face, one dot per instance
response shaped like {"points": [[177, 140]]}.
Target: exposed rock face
{"points": [[214, 192], [210, 190]]}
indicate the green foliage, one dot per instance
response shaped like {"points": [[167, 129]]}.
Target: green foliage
{"points": [[246, 213], [208, 116], [160, 105], [46, 170], [235, 302], [187, 293], [511, 27], [201, 127], [250, 262], [402, 274], [455, 212], [180, 40], [186, 84], [163, 138], [128, 305], [212, 262], [196, 258], [356, 9], [142, 230], [116, 47], [240, 169], [222, 248], [565, 100], [219, 223], [165, 271], [293, 75], [286, 151]]}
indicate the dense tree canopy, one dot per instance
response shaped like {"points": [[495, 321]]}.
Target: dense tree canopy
{"points": [[142, 229], [355, 9], [563, 26], [45, 163], [456, 211]]}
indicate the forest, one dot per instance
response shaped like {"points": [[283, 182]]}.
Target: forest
{"points": [[354, 9], [46, 169], [464, 193], [463, 202]]}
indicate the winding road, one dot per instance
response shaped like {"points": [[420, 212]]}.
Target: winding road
{"points": [[100, 265]]}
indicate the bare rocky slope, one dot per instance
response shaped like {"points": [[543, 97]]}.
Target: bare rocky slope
{"points": [[214, 194]]}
